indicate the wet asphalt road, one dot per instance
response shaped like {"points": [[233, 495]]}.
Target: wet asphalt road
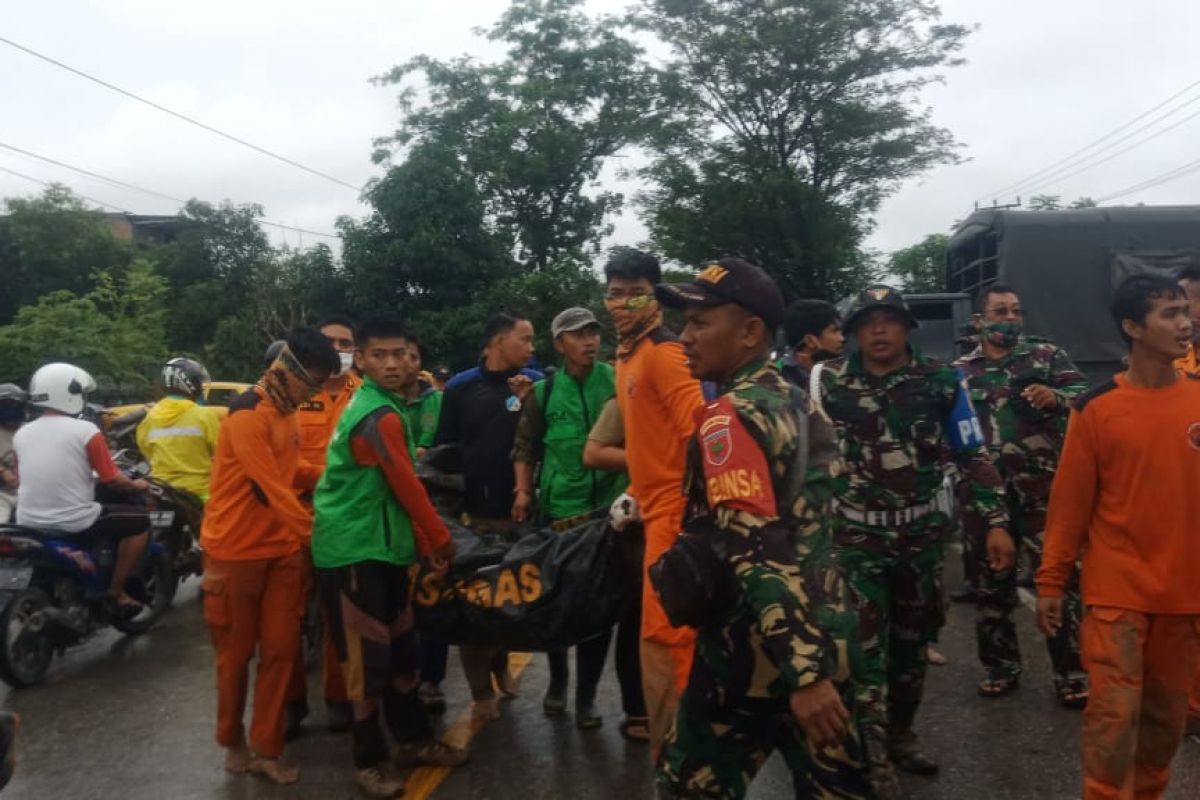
{"points": [[133, 718]]}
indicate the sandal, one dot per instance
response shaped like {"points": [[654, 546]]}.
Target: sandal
{"points": [[636, 729], [1073, 693], [998, 685]]}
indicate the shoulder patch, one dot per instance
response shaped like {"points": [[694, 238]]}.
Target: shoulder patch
{"points": [[1092, 393], [736, 473], [246, 401]]}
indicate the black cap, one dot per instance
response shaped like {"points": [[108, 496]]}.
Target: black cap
{"points": [[730, 280], [878, 296]]}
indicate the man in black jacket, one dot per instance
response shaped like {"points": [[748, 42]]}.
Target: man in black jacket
{"points": [[480, 409]]}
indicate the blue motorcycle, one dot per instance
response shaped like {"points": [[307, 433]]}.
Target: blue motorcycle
{"points": [[52, 593]]}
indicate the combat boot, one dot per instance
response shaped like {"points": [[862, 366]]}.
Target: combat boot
{"points": [[906, 754]]}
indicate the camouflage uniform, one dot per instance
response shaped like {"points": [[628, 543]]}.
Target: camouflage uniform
{"points": [[887, 534], [1024, 443], [760, 472]]}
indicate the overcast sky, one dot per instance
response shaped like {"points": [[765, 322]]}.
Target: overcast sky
{"points": [[1043, 79]]}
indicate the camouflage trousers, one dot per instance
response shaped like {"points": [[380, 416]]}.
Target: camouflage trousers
{"points": [[896, 580], [995, 627], [715, 752], [721, 737]]}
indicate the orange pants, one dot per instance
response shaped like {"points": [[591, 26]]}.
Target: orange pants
{"points": [[1140, 668], [666, 651], [249, 605], [333, 685]]}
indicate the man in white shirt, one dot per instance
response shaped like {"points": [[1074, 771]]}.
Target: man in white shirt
{"points": [[56, 455]]}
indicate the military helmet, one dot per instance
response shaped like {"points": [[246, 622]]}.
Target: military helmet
{"points": [[877, 296]]}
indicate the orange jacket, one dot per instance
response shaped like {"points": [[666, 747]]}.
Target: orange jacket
{"points": [[1126, 495], [253, 511], [658, 398], [317, 419]]}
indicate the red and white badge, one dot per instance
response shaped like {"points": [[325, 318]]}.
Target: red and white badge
{"points": [[736, 473]]}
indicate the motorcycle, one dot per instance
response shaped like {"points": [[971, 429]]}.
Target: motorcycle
{"points": [[53, 591]]}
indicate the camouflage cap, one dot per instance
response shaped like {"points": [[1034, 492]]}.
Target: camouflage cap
{"points": [[730, 280], [878, 296]]}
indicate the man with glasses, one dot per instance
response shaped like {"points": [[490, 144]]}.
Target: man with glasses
{"points": [[658, 398], [1022, 390]]}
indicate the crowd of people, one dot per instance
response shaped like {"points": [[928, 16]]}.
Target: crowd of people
{"points": [[794, 536]]}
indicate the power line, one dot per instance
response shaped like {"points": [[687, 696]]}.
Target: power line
{"points": [[178, 115], [1124, 150], [1037, 175], [48, 184], [1166, 177], [123, 184]]}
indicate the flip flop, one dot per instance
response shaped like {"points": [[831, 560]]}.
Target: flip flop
{"points": [[636, 729]]}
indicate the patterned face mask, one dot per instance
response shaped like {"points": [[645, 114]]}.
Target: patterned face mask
{"points": [[285, 379], [633, 318], [1003, 334]]}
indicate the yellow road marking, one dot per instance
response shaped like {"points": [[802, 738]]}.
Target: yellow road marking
{"points": [[425, 780]]}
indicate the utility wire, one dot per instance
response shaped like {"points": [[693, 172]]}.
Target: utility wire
{"points": [[1166, 177], [178, 115], [48, 183], [1122, 151], [1037, 175], [123, 184]]}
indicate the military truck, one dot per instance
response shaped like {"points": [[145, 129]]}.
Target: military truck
{"points": [[1065, 264]]}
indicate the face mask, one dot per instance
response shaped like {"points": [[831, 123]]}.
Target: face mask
{"points": [[347, 360], [1003, 334]]}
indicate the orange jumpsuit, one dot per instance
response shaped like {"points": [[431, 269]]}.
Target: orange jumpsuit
{"points": [[658, 399], [1125, 494], [253, 532], [1190, 364], [316, 420]]}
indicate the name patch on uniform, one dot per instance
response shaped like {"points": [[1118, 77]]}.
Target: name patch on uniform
{"points": [[736, 474], [312, 405]]}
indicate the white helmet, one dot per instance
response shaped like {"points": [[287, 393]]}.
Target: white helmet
{"points": [[60, 387]]}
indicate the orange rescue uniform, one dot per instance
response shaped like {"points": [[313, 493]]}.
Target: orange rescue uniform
{"points": [[658, 398], [1125, 494], [1190, 364], [254, 528], [316, 420]]}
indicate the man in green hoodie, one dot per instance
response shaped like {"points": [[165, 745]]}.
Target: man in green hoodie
{"points": [[179, 436], [372, 519]]}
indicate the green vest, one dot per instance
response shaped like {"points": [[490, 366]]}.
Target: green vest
{"points": [[356, 515], [570, 409]]}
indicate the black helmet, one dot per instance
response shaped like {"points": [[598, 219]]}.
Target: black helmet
{"points": [[273, 351], [184, 376], [877, 296], [12, 404]]}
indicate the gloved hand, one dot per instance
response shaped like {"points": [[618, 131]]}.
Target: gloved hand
{"points": [[623, 511]]}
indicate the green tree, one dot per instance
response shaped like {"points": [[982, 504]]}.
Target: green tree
{"points": [[116, 331], [237, 348], [211, 267], [534, 129], [50, 243], [922, 267], [427, 244], [806, 114]]}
